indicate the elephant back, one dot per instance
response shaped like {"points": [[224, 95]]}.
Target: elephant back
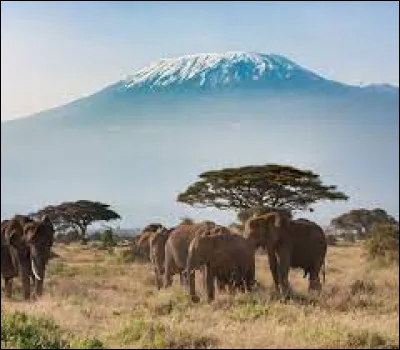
{"points": [[234, 252], [309, 243]]}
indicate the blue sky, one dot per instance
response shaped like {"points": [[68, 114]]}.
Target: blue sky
{"points": [[55, 52]]}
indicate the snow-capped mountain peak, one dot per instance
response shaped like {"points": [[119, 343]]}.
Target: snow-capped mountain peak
{"points": [[212, 70]]}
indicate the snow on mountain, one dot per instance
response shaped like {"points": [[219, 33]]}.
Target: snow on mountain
{"points": [[217, 70]]}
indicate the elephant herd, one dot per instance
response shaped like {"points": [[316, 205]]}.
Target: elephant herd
{"points": [[224, 258], [228, 258]]}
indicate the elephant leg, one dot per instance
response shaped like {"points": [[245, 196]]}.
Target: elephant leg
{"points": [[210, 283], [8, 287], [167, 272], [273, 265], [239, 282], [242, 287], [232, 287], [221, 285], [183, 279], [26, 285], [192, 287], [283, 272], [249, 281], [158, 278], [203, 276], [314, 281]]}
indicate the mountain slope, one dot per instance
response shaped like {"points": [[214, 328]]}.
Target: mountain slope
{"points": [[170, 85], [140, 141]]}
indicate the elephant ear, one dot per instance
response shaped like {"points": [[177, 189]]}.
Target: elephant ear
{"points": [[255, 230], [39, 232], [30, 232], [46, 230], [14, 233]]}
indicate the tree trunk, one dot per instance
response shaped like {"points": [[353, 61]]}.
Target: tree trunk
{"points": [[83, 229]]}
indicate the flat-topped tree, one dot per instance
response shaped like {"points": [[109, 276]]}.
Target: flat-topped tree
{"points": [[271, 186], [79, 214]]}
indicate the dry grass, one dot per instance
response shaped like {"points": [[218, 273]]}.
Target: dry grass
{"points": [[93, 293]]}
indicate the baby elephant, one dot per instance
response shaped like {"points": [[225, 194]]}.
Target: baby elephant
{"points": [[226, 255]]}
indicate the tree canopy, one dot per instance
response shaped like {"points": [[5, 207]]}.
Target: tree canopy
{"points": [[362, 220], [78, 215], [264, 186]]}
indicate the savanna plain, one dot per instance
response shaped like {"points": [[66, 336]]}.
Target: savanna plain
{"points": [[102, 298]]}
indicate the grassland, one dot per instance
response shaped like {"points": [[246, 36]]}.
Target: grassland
{"points": [[95, 298]]}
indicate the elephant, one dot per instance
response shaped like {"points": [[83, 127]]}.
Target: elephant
{"points": [[226, 257], [28, 243], [9, 267], [157, 252], [176, 248], [143, 240], [289, 243]]}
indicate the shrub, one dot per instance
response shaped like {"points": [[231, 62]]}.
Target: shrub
{"points": [[383, 243], [18, 330], [154, 335], [88, 343], [107, 238], [134, 254]]}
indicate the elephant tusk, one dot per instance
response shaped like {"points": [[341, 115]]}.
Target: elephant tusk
{"points": [[34, 270]]}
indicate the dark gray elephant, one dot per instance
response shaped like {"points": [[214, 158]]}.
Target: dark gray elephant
{"points": [[29, 245], [289, 243]]}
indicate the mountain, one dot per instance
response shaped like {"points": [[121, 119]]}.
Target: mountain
{"points": [[216, 72], [215, 78], [140, 141]]}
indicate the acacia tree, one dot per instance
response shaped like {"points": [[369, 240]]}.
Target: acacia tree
{"points": [[260, 188], [362, 220], [78, 215]]}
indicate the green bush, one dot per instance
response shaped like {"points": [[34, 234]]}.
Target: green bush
{"points": [[383, 243], [88, 343], [22, 331], [107, 238], [141, 334], [18, 330]]}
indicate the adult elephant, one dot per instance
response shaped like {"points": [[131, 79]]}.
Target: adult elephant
{"points": [[176, 248], [157, 252], [29, 243], [289, 243], [226, 257]]}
